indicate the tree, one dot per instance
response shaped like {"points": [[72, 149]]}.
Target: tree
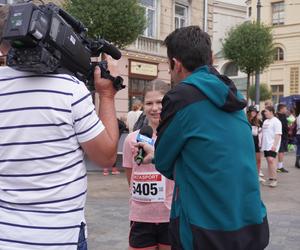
{"points": [[265, 92], [250, 47], [117, 21]]}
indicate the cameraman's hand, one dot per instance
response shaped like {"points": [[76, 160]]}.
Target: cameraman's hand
{"points": [[103, 86]]}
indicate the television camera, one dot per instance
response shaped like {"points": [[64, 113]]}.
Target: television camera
{"points": [[46, 39]]}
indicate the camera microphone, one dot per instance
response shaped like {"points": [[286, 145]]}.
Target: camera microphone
{"points": [[110, 49], [145, 135]]}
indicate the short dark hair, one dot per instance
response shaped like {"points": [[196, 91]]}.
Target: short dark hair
{"points": [[191, 46], [281, 106], [271, 109]]}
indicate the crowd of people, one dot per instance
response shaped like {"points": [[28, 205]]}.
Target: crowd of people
{"points": [[273, 134]]}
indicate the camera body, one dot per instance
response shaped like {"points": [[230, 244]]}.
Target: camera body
{"points": [[46, 39]]}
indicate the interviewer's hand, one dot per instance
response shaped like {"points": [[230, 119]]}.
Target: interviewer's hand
{"points": [[149, 151], [103, 86]]}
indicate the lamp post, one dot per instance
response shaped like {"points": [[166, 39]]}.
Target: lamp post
{"points": [[257, 76]]}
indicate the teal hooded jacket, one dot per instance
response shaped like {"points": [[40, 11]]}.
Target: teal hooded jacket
{"points": [[205, 144]]}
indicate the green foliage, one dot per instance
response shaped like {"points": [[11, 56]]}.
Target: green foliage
{"points": [[118, 21], [250, 46], [265, 92]]}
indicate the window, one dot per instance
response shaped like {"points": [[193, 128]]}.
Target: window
{"points": [[136, 89], [294, 80], [150, 12], [231, 69], [277, 92], [278, 13], [181, 16], [279, 54], [249, 11]]}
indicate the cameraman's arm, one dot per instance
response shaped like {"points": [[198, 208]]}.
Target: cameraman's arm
{"points": [[103, 148]]}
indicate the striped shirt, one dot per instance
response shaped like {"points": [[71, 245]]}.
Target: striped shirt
{"points": [[43, 183]]}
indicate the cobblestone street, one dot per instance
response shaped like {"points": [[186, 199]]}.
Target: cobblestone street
{"points": [[107, 210]]}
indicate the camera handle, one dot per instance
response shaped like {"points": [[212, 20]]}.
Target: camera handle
{"points": [[117, 81]]}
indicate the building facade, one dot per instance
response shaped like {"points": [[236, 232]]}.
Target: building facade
{"points": [[225, 17], [146, 59], [283, 75]]}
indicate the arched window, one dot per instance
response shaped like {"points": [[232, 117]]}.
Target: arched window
{"points": [[279, 54], [231, 69]]}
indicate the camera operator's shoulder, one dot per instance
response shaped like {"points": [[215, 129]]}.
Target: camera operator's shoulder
{"points": [[69, 82], [8, 73]]}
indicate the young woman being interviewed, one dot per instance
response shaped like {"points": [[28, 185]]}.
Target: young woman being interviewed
{"points": [[151, 193]]}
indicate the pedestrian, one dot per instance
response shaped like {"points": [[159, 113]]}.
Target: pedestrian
{"points": [[150, 200], [134, 114], [266, 104], [47, 124], [282, 116], [205, 145], [297, 163], [256, 125], [292, 127], [271, 137]]}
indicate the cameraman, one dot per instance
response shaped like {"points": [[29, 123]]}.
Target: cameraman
{"points": [[47, 124]]}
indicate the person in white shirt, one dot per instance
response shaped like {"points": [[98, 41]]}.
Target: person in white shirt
{"points": [[134, 114], [47, 124], [271, 137]]}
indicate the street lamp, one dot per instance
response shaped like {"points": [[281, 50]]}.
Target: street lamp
{"points": [[257, 76]]}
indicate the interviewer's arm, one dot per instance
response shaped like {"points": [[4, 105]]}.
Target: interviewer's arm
{"points": [[103, 148]]}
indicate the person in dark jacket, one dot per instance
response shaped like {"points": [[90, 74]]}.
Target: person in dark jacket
{"points": [[281, 115], [205, 145]]}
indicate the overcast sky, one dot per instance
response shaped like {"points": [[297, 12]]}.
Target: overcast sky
{"points": [[239, 2]]}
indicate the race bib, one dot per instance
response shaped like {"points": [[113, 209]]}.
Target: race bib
{"points": [[148, 187]]}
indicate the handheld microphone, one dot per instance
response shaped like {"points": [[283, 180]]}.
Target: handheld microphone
{"points": [[145, 135]]}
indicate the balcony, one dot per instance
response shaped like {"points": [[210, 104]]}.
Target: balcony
{"points": [[148, 45]]}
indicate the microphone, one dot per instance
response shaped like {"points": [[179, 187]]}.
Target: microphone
{"points": [[145, 135], [110, 49]]}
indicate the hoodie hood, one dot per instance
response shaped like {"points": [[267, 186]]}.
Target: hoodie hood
{"points": [[219, 89]]}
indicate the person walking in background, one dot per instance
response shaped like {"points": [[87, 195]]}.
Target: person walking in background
{"points": [[266, 104], [271, 137], [134, 114], [256, 125], [297, 163], [292, 125], [150, 200], [282, 116]]}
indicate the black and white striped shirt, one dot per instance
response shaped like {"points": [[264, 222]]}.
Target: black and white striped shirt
{"points": [[43, 183]]}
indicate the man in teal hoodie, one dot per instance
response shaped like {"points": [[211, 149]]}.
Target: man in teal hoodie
{"points": [[205, 144]]}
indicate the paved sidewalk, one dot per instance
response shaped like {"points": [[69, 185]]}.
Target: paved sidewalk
{"points": [[107, 210]]}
